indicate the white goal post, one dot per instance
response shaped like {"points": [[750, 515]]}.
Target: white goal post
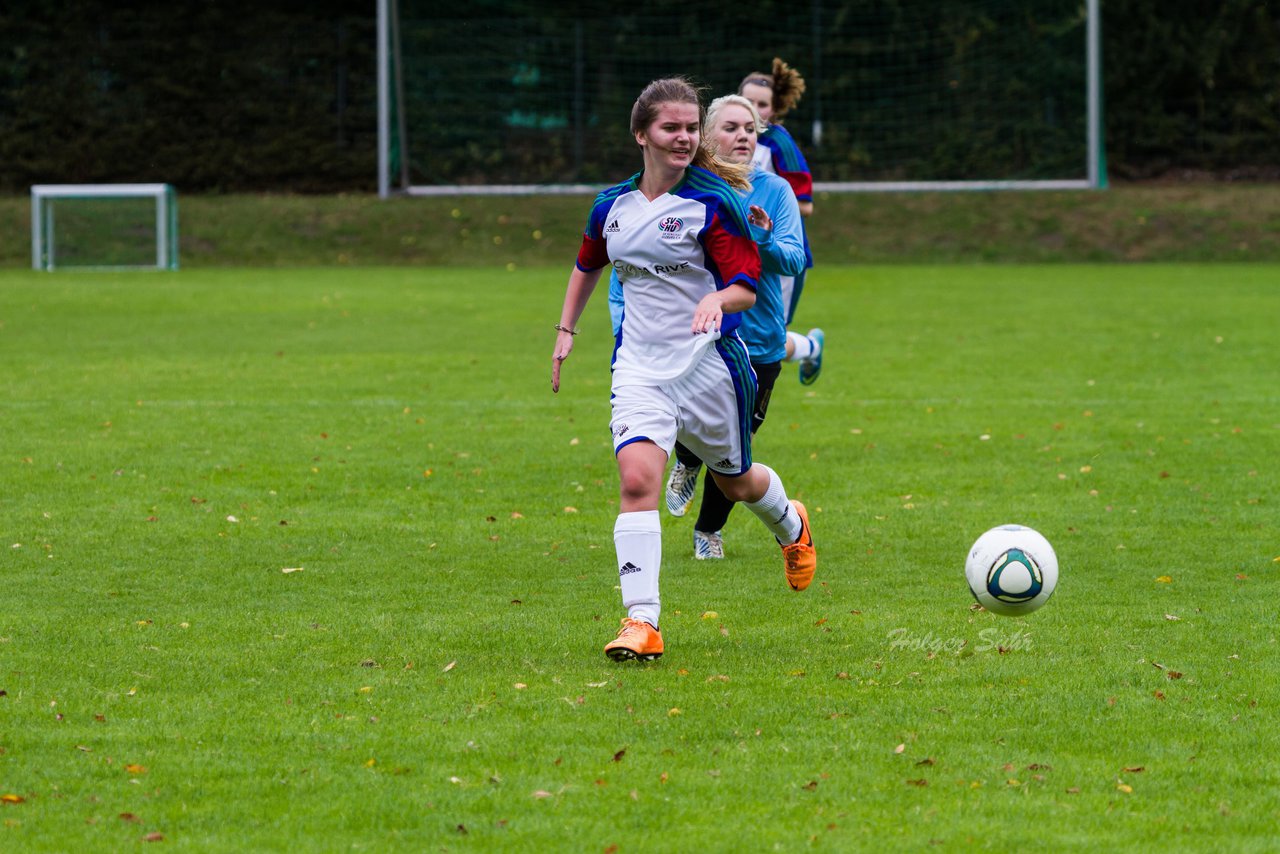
{"points": [[1084, 92], [47, 198]]}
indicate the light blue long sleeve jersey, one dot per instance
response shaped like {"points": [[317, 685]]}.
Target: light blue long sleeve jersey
{"points": [[782, 253]]}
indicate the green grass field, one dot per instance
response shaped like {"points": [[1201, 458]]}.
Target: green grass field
{"points": [[313, 560], [1171, 223]]}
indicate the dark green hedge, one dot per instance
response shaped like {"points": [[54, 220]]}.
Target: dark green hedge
{"points": [[222, 96]]}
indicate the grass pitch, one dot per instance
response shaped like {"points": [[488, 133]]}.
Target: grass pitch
{"points": [[314, 560]]}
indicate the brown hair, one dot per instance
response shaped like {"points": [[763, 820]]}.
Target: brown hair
{"points": [[678, 90], [785, 82]]}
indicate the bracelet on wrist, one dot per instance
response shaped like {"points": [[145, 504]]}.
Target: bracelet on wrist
{"points": [[560, 328]]}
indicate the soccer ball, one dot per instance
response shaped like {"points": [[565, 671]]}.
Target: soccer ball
{"points": [[1011, 570]]}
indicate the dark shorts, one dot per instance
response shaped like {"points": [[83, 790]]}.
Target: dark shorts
{"points": [[766, 375]]}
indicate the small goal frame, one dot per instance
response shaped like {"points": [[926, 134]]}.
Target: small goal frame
{"points": [[44, 222]]}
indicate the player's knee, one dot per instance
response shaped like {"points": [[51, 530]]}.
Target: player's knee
{"points": [[734, 488], [636, 483]]}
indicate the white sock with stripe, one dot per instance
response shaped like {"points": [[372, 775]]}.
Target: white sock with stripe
{"points": [[638, 539], [775, 510], [804, 347]]}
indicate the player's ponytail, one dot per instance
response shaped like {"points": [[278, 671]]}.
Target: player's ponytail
{"points": [[788, 86], [736, 175]]}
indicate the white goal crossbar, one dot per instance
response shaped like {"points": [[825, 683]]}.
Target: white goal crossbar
{"points": [[44, 224]]}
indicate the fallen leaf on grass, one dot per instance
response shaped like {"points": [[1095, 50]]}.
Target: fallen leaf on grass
{"points": [[153, 837], [288, 569], [542, 793], [11, 799], [1173, 618], [617, 757], [1164, 579], [130, 817], [926, 761], [1135, 769], [132, 768], [1124, 787], [900, 748], [921, 782], [450, 666]]}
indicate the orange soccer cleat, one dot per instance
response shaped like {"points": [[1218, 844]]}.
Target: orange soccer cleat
{"points": [[800, 558], [636, 640]]}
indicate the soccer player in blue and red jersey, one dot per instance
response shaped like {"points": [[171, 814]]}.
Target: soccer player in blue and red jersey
{"points": [[774, 94], [679, 236]]}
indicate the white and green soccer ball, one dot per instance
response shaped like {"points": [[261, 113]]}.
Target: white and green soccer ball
{"points": [[1012, 570]]}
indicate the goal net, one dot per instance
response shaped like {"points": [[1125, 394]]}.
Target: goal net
{"points": [[104, 226], [938, 94]]}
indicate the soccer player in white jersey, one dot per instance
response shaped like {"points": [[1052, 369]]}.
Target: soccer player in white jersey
{"points": [[679, 236]]}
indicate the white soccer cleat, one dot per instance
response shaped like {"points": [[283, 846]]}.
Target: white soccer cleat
{"points": [[708, 546], [680, 487]]}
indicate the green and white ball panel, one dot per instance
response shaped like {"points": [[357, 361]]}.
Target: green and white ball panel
{"points": [[1011, 570]]}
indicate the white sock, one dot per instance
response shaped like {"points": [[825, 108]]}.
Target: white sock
{"points": [[775, 510], [638, 539], [804, 346]]}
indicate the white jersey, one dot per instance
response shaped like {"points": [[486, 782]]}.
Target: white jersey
{"points": [[762, 159], [668, 254]]}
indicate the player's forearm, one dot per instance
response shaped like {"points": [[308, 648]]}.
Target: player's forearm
{"points": [[582, 284], [736, 298]]}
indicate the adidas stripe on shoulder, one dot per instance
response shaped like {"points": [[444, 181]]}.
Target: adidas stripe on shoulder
{"points": [[730, 205]]}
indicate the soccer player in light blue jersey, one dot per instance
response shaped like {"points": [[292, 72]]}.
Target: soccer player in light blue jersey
{"points": [[679, 237], [731, 129], [774, 94]]}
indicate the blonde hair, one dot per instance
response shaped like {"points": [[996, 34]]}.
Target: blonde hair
{"points": [[713, 112], [678, 90], [784, 81]]}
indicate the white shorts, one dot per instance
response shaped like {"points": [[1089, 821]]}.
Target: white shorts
{"points": [[708, 410]]}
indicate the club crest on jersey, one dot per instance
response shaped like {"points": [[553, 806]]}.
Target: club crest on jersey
{"points": [[669, 227]]}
